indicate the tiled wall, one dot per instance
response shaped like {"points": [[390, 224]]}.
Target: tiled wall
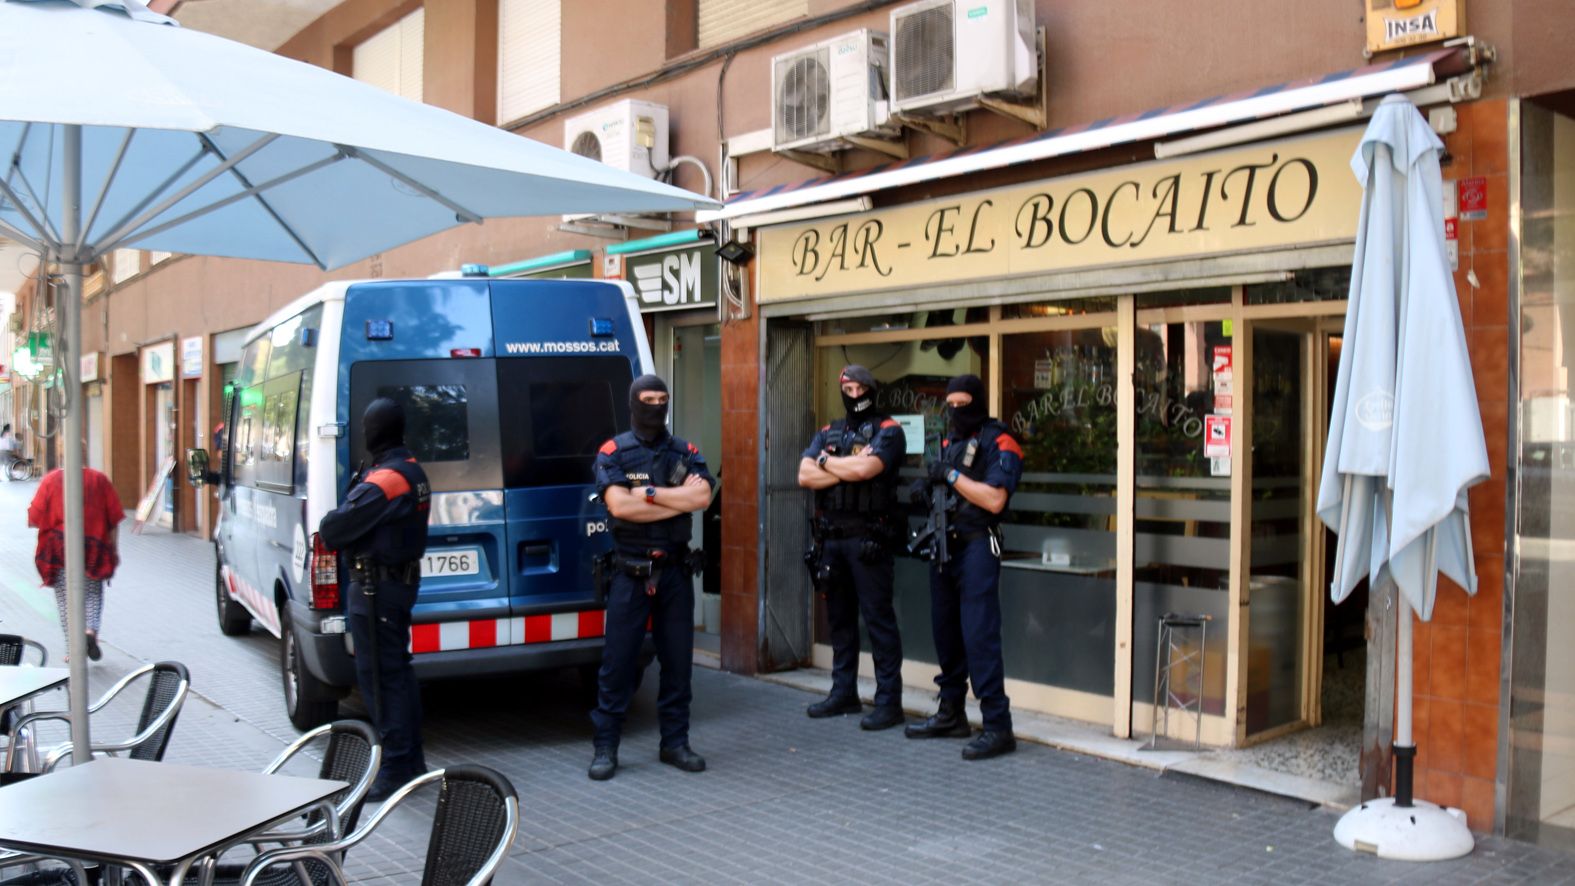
{"points": [[1458, 653], [740, 494]]}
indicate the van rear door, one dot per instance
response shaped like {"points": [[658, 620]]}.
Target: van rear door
{"points": [[559, 411]]}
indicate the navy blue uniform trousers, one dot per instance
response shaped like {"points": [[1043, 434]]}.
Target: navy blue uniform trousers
{"points": [[670, 612], [965, 612], [860, 587], [399, 695]]}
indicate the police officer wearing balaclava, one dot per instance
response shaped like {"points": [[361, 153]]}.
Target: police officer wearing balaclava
{"points": [[982, 464], [852, 465], [651, 482], [381, 532]]}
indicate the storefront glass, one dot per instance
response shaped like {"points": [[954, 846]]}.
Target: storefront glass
{"points": [[1058, 576], [1541, 789]]}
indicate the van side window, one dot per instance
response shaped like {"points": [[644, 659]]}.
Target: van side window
{"points": [[254, 363], [243, 437], [289, 353], [275, 445]]}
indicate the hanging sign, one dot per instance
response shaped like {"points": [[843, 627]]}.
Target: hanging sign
{"points": [[676, 279], [89, 367], [191, 357], [1277, 194], [1216, 436], [158, 363], [1395, 23]]}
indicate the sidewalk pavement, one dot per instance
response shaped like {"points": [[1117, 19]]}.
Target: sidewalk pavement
{"points": [[786, 799]]}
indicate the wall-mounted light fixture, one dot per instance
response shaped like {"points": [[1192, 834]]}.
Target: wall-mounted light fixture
{"points": [[735, 253]]}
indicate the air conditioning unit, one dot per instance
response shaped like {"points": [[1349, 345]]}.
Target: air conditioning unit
{"points": [[629, 135], [824, 94], [945, 54]]}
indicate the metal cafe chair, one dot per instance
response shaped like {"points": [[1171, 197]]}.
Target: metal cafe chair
{"points": [[168, 683], [476, 821], [351, 754], [13, 653]]}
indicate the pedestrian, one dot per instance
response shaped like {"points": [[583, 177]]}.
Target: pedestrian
{"points": [[101, 515], [380, 532], [10, 449], [852, 465], [981, 464], [651, 482]]}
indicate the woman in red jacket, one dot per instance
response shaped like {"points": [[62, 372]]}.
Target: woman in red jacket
{"points": [[102, 512]]}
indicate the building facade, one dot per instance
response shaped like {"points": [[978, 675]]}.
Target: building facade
{"points": [[1143, 248]]}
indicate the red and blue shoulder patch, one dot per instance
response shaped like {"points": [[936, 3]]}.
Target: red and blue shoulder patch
{"points": [[608, 448], [392, 483], [826, 428], [1005, 443], [891, 423], [693, 450]]}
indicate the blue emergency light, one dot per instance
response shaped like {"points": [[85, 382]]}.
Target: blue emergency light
{"points": [[474, 269], [379, 330], [601, 326]]}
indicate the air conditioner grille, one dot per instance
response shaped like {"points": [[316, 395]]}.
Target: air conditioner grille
{"points": [[586, 144], [924, 53], [803, 98]]}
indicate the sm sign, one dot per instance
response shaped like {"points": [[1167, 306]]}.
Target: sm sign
{"points": [[675, 280]]}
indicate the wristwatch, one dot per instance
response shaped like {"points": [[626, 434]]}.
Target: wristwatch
{"points": [[951, 477], [650, 493], [820, 460]]}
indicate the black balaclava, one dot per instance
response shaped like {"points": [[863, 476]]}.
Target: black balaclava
{"points": [[383, 426], [967, 419], [648, 420], [863, 406]]}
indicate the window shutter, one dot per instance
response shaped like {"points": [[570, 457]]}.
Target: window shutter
{"points": [[529, 56], [392, 58], [723, 21], [124, 265]]}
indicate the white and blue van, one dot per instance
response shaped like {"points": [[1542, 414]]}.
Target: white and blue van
{"points": [[509, 387]]}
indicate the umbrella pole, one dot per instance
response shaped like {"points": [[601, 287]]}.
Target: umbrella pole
{"points": [[70, 313], [1404, 745]]}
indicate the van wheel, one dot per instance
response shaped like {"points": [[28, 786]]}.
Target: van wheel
{"points": [[234, 620], [307, 700]]}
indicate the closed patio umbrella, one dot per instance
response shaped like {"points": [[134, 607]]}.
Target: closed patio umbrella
{"points": [[1405, 441], [122, 130]]}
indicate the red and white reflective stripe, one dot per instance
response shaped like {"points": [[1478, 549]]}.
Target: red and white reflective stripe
{"points": [[486, 632], [261, 606]]}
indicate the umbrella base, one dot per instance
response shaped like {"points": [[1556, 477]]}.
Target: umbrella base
{"points": [[1423, 832]]}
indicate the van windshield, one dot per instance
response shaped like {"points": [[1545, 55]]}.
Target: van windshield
{"points": [[555, 413]]}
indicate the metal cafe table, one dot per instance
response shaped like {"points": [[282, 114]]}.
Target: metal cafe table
{"points": [[141, 815], [18, 684]]}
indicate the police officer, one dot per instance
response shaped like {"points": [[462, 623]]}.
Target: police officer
{"points": [[852, 465], [982, 463], [651, 482], [381, 533]]}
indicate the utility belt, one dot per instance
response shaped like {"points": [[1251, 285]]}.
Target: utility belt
{"points": [[365, 570], [647, 568], [968, 534], [836, 525]]}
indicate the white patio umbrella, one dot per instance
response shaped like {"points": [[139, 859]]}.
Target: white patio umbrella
{"points": [[121, 129], [1405, 441]]}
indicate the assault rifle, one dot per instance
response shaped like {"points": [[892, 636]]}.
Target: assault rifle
{"points": [[930, 541]]}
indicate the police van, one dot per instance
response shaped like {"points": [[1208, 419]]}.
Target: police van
{"points": [[509, 389]]}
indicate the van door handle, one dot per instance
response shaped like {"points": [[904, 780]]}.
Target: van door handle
{"points": [[537, 550]]}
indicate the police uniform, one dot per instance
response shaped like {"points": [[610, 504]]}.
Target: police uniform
{"points": [[662, 599], [856, 531], [381, 533], [965, 592]]}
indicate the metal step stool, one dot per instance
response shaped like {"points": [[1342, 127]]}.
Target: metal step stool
{"points": [[1173, 651]]}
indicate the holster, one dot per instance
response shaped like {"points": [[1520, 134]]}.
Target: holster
{"points": [[367, 571]]}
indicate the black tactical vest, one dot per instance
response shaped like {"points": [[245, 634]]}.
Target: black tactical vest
{"points": [[968, 516], [401, 540], [869, 499], [665, 464]]}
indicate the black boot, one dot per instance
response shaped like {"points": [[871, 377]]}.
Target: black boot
{"points": [[683, 758], [604, 764], [950, 720], [989, 744], [883, 717], [832, 705]]}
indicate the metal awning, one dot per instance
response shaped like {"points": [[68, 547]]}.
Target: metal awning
{"points": [[1401, 75]]}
